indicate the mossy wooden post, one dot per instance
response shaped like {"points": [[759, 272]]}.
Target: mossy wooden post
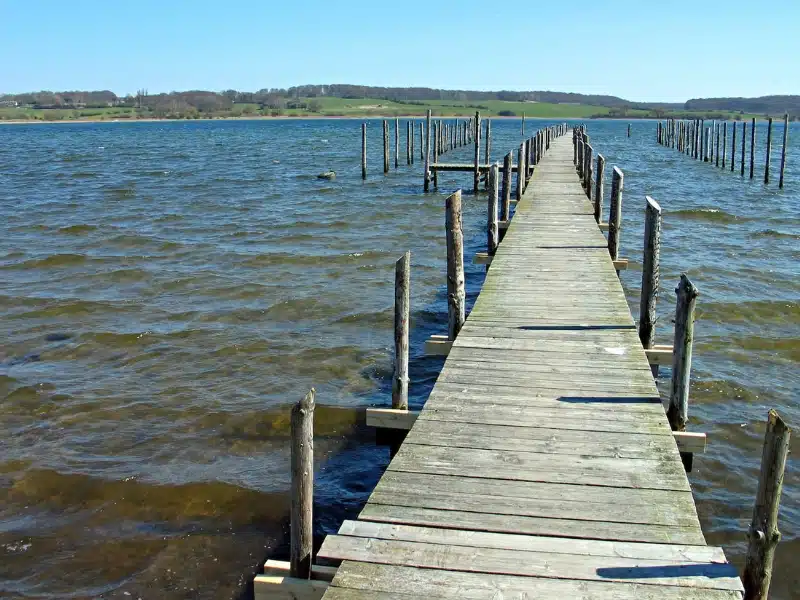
{"points": [[598, 188], [588, 172], [435, 173], [650, 275], [764, 534], [396, 142], [768, 150], [724, 143], [752, 148], [456, 295], [492, 228], [783, 150], [363, 151], [428, 151], [615, 213], [385, 146], [476, 175], [744, 144], [302, 501], [520, 171], [505, 206], [678, 411], [402, 312]]}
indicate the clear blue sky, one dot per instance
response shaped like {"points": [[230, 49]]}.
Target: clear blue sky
{"points": [[644, 50]]}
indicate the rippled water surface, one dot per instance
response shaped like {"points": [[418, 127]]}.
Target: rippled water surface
{"points": [[169, 289]]}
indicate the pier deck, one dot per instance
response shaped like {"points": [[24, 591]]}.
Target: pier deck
{"points": [[542, 465]]}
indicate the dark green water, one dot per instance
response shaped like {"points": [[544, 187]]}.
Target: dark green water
{"points": [[169, 289]]}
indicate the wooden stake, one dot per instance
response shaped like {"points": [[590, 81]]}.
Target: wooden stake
{"points": [[363, 151], [724, 143], [752, 148], [615, 213], [412, 143], [716, 151], [409, 129], [523, 124], [476, 176], [402, 313], [764, 534], [678, 411], [505, 206], [768, 151], [435, 174], [491, 223], [733, 148], [629, 130], [744, 144], [385, 146], [650, 275], [520, 170], [302, 465], [456, 295], [396, 142], [783, 151], [427, 151], [587, 185], [598, 188]]}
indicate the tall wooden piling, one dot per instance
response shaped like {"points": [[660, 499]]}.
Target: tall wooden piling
{"points": [[487, 155], [302, 500], [505, 206], [650, 275], [456, 296], [492, 231], [716, 151], [476, 175], [402, 315], [523, 123], [744, 144], [588, 167], [385, 146], [733, 148], [629, 130], [396, 142], [409, 129], [598, 188], [428, 151], [752, 148], [764, 534], [615, 213], [783, 150], [363, 151], [435, 173], [724, 143], [520, 171], [421, 141], [768, 150], [678, 412]]}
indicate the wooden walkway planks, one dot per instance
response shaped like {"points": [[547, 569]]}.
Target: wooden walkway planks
{"points": [[542, 464]]}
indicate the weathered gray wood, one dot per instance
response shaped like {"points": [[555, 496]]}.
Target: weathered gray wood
{"points": [[520, 171], [302, 468], [363, 151], [587, 171], [488, 144], [752, 148], [476, 177], [598, 189], [505, 205], [427, 156], [491, 224], [783, 150], [385, 146], [744, 144], [650, 275], [768, 151], [456, 295], [716, 141], [764, 535], [396, 142], [409, 129], [733, 148], [724, 143], [435, 173], [615, 213], [523, 124], [402, 315], [678, 412]]}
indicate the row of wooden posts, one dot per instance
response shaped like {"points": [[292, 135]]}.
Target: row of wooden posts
{"points": [[708, 143], [763, 533], [448, 135]]}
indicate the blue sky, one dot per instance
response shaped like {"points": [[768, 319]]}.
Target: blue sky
{"points": [[645, 50]]}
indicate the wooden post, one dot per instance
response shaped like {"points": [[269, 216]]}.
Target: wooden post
{"points": [[629, 130], [615, 213], [580, 157], [435, 173], [575, 147], [768, 151], [385, 146], [588, 172], [523, 124], [491, 224], [678, 411], [764, 534], [396, 142], [363, 151], [716, 151], [598, 188], [421, 141], [488, 145], [411, 123], [724, 143], [302, 466], [752, 148], [650, 275], [783, 151], [520, 170], [456, 296], [505, 207], [476, 176], [427, 151], [744, 144], [408, 142], [402, 312]]}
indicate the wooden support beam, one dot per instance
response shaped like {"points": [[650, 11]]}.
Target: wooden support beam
{"points": [[690, 441], [278, 587], [280, 568], [503, 224], [621, 264], [438, 345], [391, 418], [659, 355], [482, 258], [603, 226]]}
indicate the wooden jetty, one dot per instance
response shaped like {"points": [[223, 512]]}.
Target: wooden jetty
{"points": [[542, 464]]}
